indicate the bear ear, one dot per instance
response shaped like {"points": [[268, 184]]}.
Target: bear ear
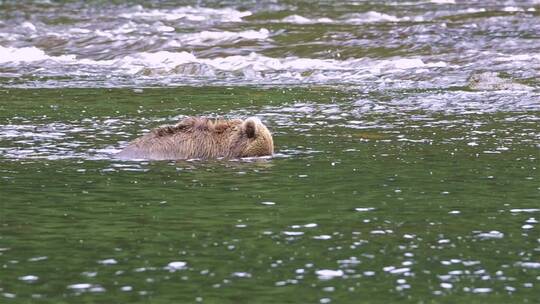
{"points": [[250, 128]]}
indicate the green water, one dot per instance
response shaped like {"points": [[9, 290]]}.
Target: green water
{"points": [[260, 231], [407, 141]]}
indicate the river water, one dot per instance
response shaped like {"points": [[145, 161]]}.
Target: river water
{"points": [[397, 176]]}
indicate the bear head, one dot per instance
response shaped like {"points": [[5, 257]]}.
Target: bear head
{"points": [[254, 138]]}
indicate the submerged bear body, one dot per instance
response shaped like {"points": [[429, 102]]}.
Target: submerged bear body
{"points": [[204, 139]]}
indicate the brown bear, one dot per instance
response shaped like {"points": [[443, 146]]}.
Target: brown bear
{"points": [[202, 138]]}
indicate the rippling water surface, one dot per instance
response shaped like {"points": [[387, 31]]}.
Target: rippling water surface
{"points": [[407, 138]]}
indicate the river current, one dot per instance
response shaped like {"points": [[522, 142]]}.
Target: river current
{"points": [[407, 151]]}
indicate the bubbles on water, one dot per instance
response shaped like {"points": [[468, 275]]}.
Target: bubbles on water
{"points": [[395, 270], [187, 13], [327, 274], [29, 278], [532, 265], [86, 287], [310, 225], [480, 290], [126, 288], [322, 237], [293, 233], [526, 210], [175, 266], [494, 234], [243, 275], [38, 258], [108, 262], [364, 209]]}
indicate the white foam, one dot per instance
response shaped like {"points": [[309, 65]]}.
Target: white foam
{"points": [[354, 18], [217, 37], [297, 19], [165, 28], [443, 1], [517, 57], [255, 63], [27, 54], [189, 13], [249, 68], [512, 9], [29, 26], [370, 17]]}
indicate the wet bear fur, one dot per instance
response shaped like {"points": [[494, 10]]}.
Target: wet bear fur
{"points": [[203, 138]]}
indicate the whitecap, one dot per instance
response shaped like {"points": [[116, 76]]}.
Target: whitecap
{"points": [[189, 13], [287, 67], [370, 17], [29, 26], [161, 65], [216, 37], [165, 28], [512, 9], [28, 54], [297, 19], [443, 1]]}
